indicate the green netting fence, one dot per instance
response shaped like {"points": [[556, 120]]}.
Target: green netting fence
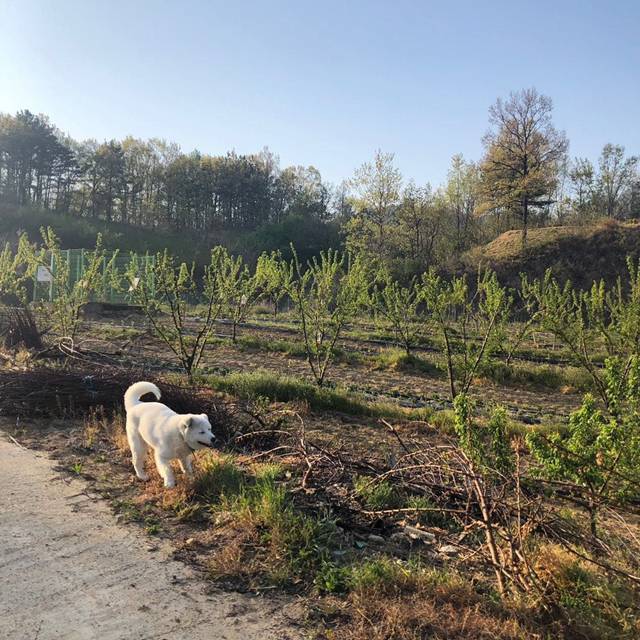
{"points": [[112, 293]]}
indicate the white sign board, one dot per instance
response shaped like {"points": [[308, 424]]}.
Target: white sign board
{"points": [[44, 275], [134, 284]]}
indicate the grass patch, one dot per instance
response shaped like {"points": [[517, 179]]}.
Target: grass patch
{"points": [[216, 477], [376, 496], [529, 374], [399, 360], [596, 605], [279, 388], [264, 534], [294, 348], [389, 598]]}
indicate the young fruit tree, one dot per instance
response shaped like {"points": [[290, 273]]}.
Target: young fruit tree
{"points": [[168, 294], [15, 270], [70, 295], [326, 295], [19, 326], [489, 462], [273, 281], [239, 288], [597, 460], [472, 325], [402, 309], [591, 323]]}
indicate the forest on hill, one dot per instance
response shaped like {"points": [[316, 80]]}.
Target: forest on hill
{"points": [[525, 179]]}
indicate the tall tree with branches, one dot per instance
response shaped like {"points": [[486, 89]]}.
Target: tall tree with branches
{"points": [[523, 156]]}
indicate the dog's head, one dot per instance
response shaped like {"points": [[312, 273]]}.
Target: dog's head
{"points": [[196, 430]]}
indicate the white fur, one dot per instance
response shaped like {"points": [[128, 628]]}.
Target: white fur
{"points": [[172, 436]]}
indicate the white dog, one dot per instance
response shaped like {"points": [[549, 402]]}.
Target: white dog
{"points": [[171, 436]]}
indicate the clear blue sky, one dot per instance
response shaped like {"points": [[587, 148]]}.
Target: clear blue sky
{"points": [[322, 82]]}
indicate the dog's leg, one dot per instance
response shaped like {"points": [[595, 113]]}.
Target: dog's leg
{"points": [[165, 470], [186, 465], [139, 450]]}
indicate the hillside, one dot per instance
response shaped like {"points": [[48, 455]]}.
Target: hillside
{"points": [[581, 254]]}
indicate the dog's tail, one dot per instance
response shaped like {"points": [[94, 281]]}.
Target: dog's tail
{"points": [[136, 391]]}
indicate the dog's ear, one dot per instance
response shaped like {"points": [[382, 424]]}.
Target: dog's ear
{"points": [[186, 423]]}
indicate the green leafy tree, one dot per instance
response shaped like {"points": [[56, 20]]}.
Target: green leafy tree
{"points": [[591, 322], [240, 289], [402, 309], [598, 458], [616, 178], [16, 269], [166, 285], [69, 295], [377, 186], [523, 156], [472, 325], [328, 294], [273, 281]]}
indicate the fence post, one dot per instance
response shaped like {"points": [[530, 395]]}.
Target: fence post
{"points": [[51, 268]]}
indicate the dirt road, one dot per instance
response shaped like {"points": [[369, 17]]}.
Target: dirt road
{"points": [[69, 571]]}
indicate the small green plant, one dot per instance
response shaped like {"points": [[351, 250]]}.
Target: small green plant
{"points": [[152, 526], [376, 495], [77, 467]]}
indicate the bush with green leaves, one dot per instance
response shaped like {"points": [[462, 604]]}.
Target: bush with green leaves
{"points": [[472, 324], [492, 477], [598, 458], [326, 296], [168, 294]]}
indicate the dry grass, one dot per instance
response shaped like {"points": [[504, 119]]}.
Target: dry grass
{"points": [[394, 600], [99, 425], [581, 254]]}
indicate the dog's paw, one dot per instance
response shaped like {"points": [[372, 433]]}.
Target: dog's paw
{"points": [[169, 484], [142, 476]]}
